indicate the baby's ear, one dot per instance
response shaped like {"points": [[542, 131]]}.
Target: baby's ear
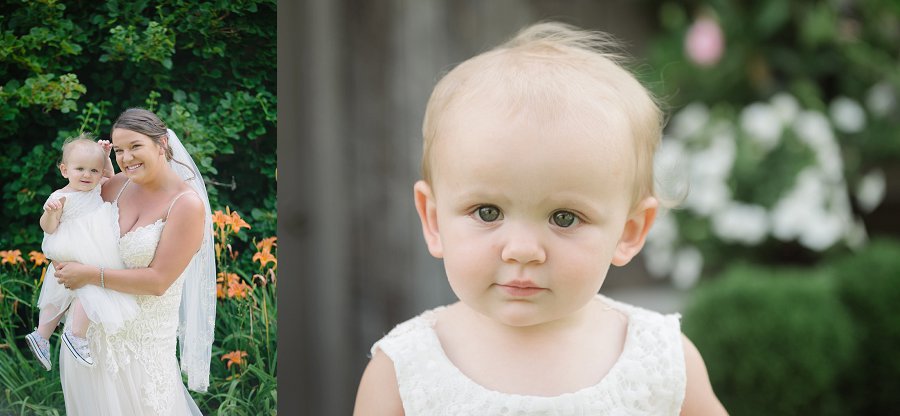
{"points": [[427, 209], [63, 171], [635, 232]]}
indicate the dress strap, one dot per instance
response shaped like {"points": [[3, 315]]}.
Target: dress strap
{"points": [[127, 181], [172, 204]]}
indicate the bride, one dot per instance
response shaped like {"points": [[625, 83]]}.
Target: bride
{"points": [[165, 241]]}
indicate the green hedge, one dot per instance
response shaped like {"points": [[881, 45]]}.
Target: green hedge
{"points": [[775, 341], [789, 341], [869, 284]]}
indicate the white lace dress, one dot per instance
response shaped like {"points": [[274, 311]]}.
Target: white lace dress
{"points": [[136, 370], [86, 234], [647, 379]]}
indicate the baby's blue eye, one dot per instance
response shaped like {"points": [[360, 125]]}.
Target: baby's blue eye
{"points": [[563, 219], [488, 213]]}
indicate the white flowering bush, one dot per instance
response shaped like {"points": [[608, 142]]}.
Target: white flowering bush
{"points": [[762, 178]]}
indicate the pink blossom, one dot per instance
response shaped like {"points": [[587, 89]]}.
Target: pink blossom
{"points": [[704, 42]]}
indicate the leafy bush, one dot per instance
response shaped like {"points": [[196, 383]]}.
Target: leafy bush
{"points": [[776, 342], [869, 285], [806, 90], [208, 70]]}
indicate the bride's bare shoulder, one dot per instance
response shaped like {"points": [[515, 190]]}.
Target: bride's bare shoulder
{"points": [[112, 187]]}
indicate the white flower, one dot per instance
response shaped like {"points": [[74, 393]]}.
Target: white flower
{"points": [[816, 211], [813, 129], [786, 107], [743, 223], [669, 155], [870, 191], [793, 213], [670, 169], [707, 195], [762, 124], [716, 160], [848, 115], [881, 99], [830, 161], [687, 267], [689, 121], [824, 231]]}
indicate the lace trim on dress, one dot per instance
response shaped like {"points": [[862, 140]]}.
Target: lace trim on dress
{"points": [[647, 379]]}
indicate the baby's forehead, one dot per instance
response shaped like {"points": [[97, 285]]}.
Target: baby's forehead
{"points": [[84, 150], [553, 113]]}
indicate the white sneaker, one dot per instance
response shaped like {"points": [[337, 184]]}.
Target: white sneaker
{"points": [[79, 348], [40, 347]]}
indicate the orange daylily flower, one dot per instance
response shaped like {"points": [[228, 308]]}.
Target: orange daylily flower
{"points": [[11, 257], [228, 278], [238, 290], [220, 219], [237, 222], [234, 357], [37, 258], [264, 257], [220, 291], [230, 285], [266, 244]]}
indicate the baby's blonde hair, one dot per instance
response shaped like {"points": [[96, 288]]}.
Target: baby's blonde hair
{"points": [[85, 140], [545, 70]]}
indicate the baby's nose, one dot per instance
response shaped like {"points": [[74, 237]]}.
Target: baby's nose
{"points": [[523, 245]]}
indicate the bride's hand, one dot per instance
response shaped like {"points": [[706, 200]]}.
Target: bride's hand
{"points": [[73, 275]]}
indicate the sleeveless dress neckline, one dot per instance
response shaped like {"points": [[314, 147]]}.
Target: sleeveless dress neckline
{"points": [[648, 378], [430, 319]]}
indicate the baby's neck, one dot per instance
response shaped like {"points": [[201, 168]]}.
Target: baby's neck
{"points": [[545, 360]]}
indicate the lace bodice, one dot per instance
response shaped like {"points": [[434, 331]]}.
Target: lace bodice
{"points": [[647, 379], [151, 337], [137, 247]]}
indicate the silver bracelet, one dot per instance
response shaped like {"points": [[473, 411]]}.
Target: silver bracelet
{"points": [[103, 285]]}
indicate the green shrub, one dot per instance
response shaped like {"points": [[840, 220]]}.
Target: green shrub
{"points": [[206, 68], [869, 285], [776, 341]]}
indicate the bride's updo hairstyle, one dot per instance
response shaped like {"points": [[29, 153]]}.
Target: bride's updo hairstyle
{"points": [[144, 122]]}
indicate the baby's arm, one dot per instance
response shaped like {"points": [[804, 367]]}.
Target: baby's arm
{"points": [[699, 398], [378, 393], [52, 213], [108, 171]]}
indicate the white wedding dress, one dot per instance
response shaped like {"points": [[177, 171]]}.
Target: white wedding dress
{"points": [[136, 371]]}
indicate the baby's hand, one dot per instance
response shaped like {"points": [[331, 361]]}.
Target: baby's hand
{"points": [[105, 145], [55, 205]]}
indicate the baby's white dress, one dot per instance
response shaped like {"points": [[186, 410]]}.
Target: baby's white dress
{"points": [[86, 234], [136, 370], [647, 379]]}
